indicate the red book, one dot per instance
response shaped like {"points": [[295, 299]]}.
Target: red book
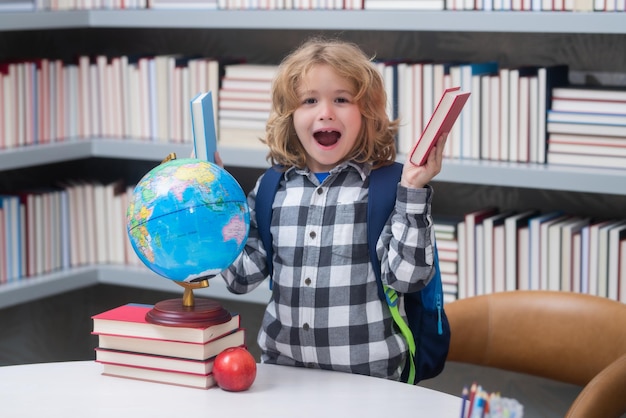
{"points": [[180, 349], [154, 362], [194, 380], [130, 321], [441, 122]]}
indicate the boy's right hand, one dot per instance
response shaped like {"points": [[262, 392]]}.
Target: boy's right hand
{"points": [[419, 176], [218, 159]]}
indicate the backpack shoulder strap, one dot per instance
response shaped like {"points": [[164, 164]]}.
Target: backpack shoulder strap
{"points": [[381, 201], [380, 204], [263, 208]]}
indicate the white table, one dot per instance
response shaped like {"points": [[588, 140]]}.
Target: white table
{"points": [[78, 389]]}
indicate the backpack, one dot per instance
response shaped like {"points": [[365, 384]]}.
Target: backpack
{"points": [[428, 331]]}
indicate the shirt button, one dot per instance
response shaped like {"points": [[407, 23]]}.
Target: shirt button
{"points": [[307, 281], [320, 190], [305, 326], [312, 234]]}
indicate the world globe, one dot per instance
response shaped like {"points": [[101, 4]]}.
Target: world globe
{"points": [[188, 219]]}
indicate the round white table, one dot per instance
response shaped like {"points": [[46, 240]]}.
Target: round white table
{"points": [[78, 389]]}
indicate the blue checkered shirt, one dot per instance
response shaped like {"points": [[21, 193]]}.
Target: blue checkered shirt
{"points": [[325, 310]]}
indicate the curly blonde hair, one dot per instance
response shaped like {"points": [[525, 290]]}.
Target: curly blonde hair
{"points": [[376, 141]]}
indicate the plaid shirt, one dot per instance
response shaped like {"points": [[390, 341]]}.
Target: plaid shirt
{"points": [[325, 311]]}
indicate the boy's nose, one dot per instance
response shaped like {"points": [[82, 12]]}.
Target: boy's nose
{"points": [[326, 111]]}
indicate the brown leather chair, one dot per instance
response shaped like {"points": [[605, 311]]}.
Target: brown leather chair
{"points": [[568, 337]]}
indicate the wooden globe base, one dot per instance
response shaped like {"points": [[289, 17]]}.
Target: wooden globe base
{"points": [[173, 313], [188, 312]]}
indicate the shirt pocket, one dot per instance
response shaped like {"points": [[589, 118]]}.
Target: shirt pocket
{"points": [[343, 242]]}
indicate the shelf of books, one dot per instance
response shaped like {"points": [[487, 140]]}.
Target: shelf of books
{"points": [[497, 141], [126, 149], [22, 290], [500, 173], [523, 127], [67, 150], [549, 176], [353, 20], [60, 281]]}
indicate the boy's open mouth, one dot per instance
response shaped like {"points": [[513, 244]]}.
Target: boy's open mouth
{"points": [[327, 138]]}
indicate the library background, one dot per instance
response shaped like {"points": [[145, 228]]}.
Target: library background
{"points": [[96, 93]]}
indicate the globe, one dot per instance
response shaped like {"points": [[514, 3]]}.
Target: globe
{"points": [[188, 219]]}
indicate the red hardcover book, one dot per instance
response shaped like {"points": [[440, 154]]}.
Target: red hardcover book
{"points": [[130, 321], [154, 362], [180, 349], [194, 380], [441, 122]]}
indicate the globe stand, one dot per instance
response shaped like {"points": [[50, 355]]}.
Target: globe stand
{"points": [[187, 312]]}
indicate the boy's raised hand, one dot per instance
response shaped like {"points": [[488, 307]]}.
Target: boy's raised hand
{"points": [[419, 176], [218, 159]]}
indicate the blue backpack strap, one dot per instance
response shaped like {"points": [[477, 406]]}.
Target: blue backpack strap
{"points": [[263, 208], [380, 204], [424, 352]]}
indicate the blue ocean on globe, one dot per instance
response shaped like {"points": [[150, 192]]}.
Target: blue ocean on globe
{"points": [[188, 219]]}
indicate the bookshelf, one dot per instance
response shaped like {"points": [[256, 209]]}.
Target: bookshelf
{"points": [[565, 178], [138, 277], [589, 42], [22, 157], [340, 20]]}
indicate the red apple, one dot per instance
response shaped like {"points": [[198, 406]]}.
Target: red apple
{"points": [[234, 369]]}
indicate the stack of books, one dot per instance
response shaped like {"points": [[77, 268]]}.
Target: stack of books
{"points": [[130, 347], [446, 233], [587, 127], [245, 103]]}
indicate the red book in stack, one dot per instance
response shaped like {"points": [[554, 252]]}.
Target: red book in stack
{"points": [[131, 347]]}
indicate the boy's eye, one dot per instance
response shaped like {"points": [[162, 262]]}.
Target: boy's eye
{"points": [[342, 100], [309, 100]]}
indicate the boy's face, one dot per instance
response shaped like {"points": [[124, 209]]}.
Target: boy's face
{"points": [[328, 120]]}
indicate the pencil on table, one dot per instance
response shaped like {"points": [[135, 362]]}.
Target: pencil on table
{"points": [[472, 395], [464, 401]]}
